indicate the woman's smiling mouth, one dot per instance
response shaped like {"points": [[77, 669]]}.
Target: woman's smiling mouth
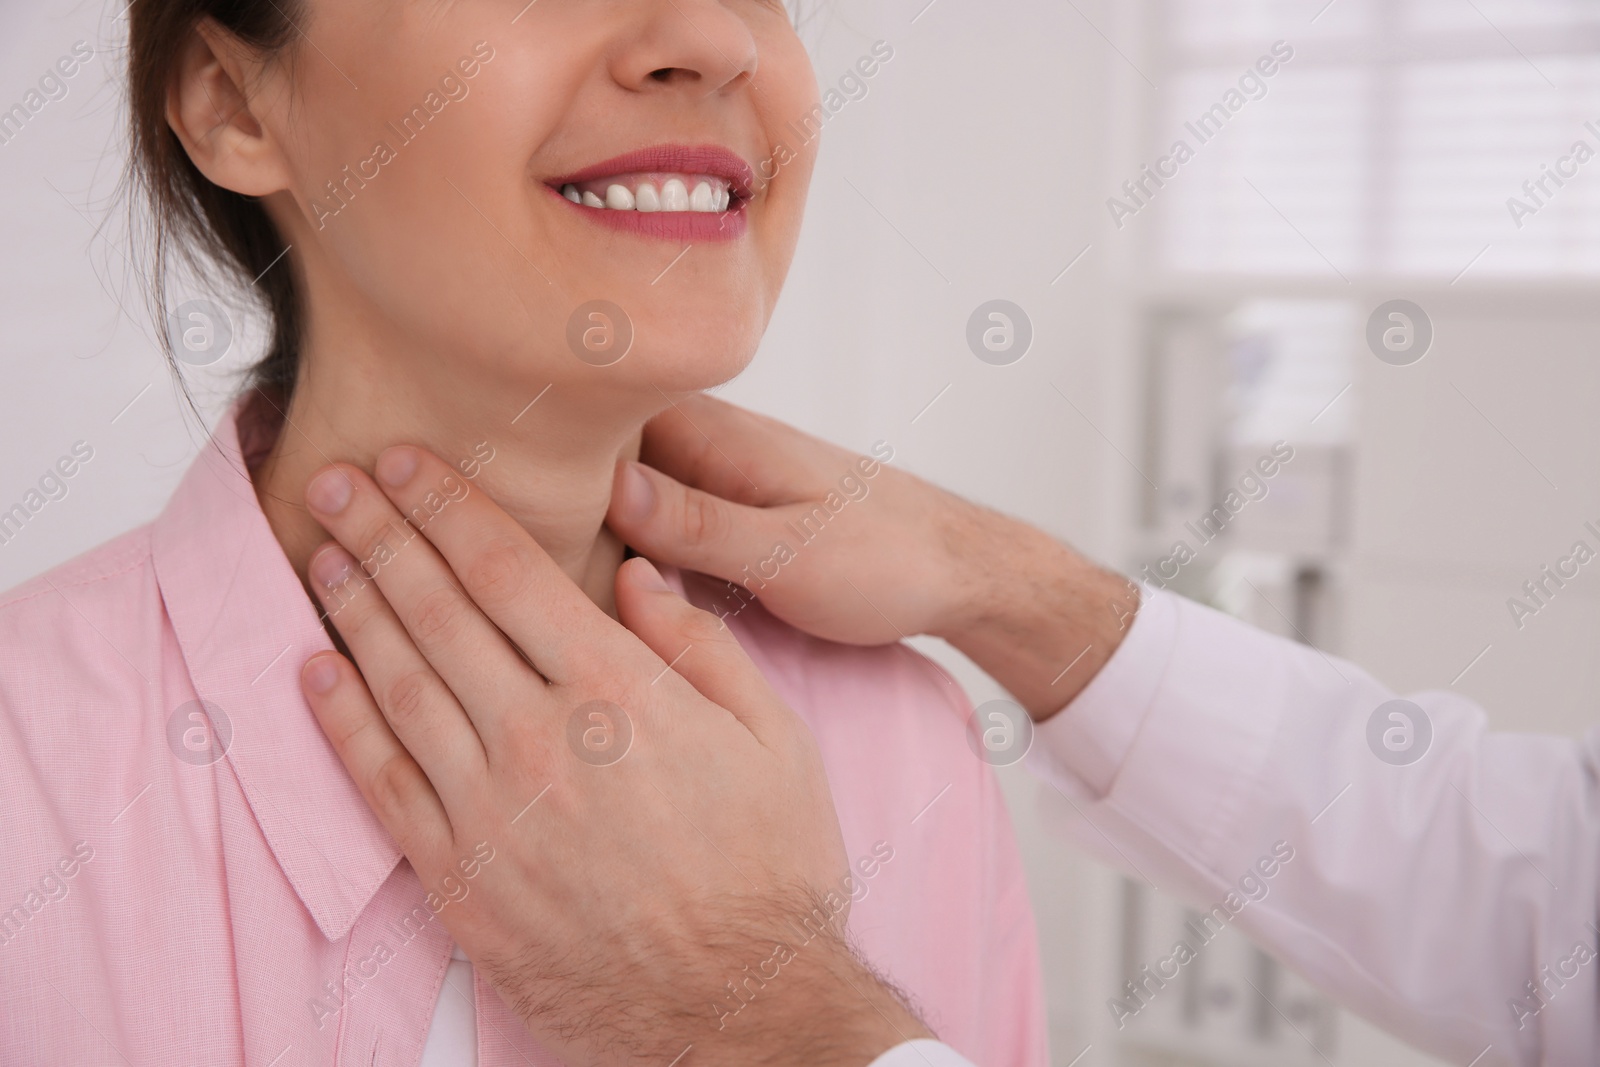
{"points": [[675, 192]]}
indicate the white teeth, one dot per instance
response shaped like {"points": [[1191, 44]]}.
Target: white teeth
{"points": [[618, 198], [674, 196], [708, 197]]}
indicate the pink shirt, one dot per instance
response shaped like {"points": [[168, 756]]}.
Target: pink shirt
{"points": [[178, 895]]}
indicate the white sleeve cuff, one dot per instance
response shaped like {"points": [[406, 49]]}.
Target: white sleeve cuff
{"points": [[1090, 738], [922, 1054], [1173, 734]]}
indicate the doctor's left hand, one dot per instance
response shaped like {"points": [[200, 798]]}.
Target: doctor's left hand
{"points": [[612, 824]]}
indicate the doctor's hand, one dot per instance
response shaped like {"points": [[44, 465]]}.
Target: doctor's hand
{"points": [[848, 548], [615, 826]]}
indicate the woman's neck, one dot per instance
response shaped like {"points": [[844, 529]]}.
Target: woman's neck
{"points": [[546, 458]]}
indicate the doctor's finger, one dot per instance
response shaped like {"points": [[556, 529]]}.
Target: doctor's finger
{"points": [[671, 522], [464, 648], [421, 710], [736, 454], [509, 576], [389, 778], [699, 649]]}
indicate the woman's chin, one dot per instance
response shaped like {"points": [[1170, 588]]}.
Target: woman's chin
{"points": [[689, 367], [678, 353]]}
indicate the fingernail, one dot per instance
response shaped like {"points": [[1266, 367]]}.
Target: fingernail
{"points": [[636, 497], [648, 577], [321, 674], [397, 465], [329, 492], [329, 567]]}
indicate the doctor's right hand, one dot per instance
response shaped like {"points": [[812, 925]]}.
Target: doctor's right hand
{"points": [[850, 549], [621, 823]]}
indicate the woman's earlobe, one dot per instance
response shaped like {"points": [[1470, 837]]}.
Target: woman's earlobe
{"points": [[211, 112]]}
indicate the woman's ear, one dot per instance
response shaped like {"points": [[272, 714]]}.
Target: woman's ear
{"points": [[217, 90]]}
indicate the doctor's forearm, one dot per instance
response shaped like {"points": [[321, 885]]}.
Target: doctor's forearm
{"points": [[1035, 615]]}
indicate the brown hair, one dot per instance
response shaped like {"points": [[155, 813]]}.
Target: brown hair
{"points": [[190, 217]]}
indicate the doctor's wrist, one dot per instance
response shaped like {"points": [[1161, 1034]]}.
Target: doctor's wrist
{"points": [[1036, 616], [835, 1011]]}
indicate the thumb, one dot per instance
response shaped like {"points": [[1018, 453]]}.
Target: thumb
{"points": [[666, 520], [698, 646]]}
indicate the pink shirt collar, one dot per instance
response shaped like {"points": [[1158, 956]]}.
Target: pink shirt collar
{"points": [[245, 626]]}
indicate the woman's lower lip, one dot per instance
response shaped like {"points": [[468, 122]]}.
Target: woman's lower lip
{"points": [[696, 227]]}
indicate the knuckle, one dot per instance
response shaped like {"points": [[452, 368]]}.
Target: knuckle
{"points": [[704, 628], [351, 604], [346, 734], [500, 573], [705, 521], [393, 786], [438, 616], [407, 696], [380, 544]]}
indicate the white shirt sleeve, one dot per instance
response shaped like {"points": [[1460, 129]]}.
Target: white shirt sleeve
{"points": [[1451, 899], [921, 1054]]}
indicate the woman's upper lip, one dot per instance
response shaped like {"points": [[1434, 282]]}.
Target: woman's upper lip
{"points": [[708, 159]]}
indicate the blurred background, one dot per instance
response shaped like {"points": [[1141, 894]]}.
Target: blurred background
{"points": [[1164, 328]]}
